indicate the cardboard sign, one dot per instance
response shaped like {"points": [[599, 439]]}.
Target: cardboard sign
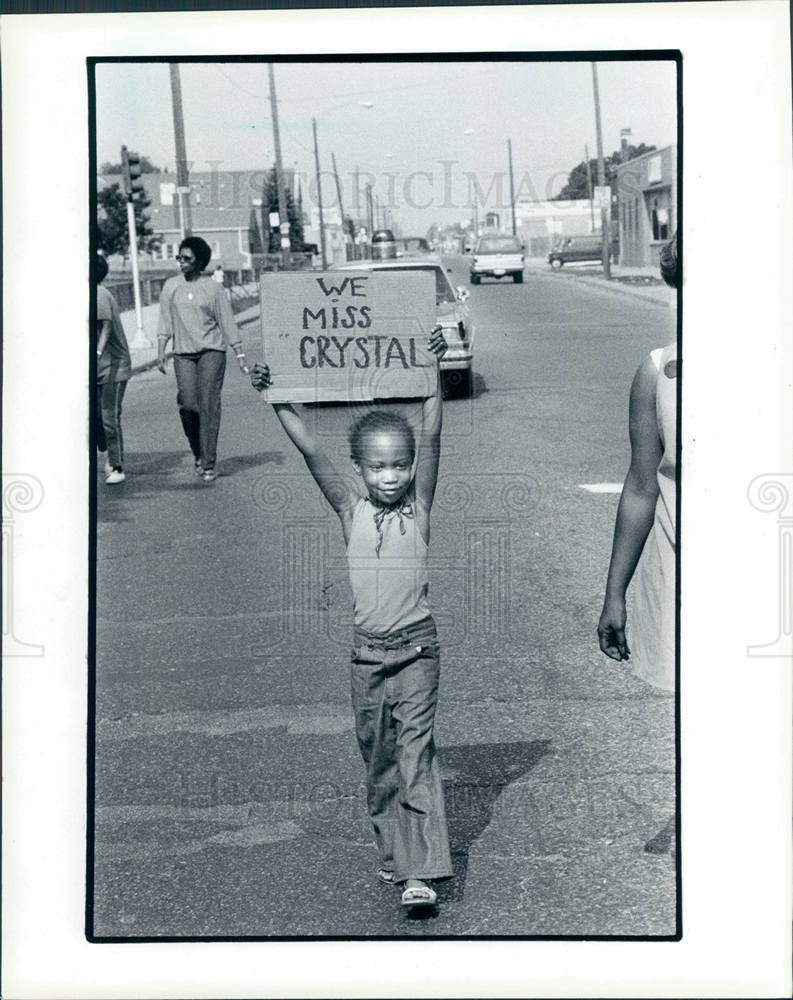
{"points": [[347, 335]]}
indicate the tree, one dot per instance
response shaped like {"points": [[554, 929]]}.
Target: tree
{"points": [[146, 167], [112, 235], [270, 204], [577, 187]]}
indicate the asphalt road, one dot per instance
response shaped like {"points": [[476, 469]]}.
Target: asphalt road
{"points": [[228, 780]]}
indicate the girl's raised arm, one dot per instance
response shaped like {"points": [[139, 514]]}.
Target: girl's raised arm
{"points": [[429, 442], [334, 488]]}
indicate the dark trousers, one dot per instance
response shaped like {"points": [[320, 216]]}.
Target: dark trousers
{"points": [[394, 694], [109, 438], [199, 379]]}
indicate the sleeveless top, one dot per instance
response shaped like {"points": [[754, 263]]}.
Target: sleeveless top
{"points": [[387, 559], [653, 620]]}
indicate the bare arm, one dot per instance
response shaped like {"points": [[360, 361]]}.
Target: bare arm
{"points": [[429, 442], [636, 510], [164, 330], [334, 488], [104, 336]]}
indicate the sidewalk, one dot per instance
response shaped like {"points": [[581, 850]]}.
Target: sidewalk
{"points": [[640, 282], [144, 355]]}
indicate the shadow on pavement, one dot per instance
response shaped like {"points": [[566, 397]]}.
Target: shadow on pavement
{"points": [[239, 463], [473, 779], [662, 841], [151, 473]]}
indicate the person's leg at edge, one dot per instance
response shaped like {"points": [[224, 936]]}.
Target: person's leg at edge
{"points": [[112, 398], [101, 439], [185, 368]]}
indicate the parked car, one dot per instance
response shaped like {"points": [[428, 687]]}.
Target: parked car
{"points": [[497, 257], [453, 314], [568, 249]]}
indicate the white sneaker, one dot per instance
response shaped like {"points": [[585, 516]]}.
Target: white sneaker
{"points": [[115, 476], [106, 466]]}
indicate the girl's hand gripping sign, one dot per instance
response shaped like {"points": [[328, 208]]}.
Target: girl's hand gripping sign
{"points": [[347, 335]]}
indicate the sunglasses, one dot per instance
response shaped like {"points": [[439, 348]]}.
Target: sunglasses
{"points": [[185, 260]]}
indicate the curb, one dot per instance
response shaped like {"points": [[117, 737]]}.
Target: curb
{"points": [[604, 285]]}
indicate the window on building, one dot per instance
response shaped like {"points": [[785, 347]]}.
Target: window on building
{"points": [[660, 217], [654, 170], [663, 223], [635, 216]]}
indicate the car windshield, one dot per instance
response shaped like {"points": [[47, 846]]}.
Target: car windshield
{"points": [[414, 244], [443, 290], [498, 244]]}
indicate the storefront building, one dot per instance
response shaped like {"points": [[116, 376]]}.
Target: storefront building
{"points": [[647, 205]]}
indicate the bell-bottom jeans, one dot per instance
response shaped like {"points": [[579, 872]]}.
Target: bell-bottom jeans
{"points": [[394, 694]]}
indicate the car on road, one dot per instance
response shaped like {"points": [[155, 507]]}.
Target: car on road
{"points": [[497, 256], [412, 246], [570, 249], [452, 313]]}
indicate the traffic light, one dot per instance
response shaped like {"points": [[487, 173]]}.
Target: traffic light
{"points": [[131, 169]]}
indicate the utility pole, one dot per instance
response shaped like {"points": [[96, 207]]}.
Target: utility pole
{"points": [[605, 206], [319, 200], [344, 230], [369, 210], [283, 218], [624, 133], [133, 187], [511, 189], [184, 221], [589, 188]]}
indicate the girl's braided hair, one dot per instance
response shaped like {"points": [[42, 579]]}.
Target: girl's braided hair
{"points": [[376, 421]]}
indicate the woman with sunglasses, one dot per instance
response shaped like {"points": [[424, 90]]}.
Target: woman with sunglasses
{"points": [[196, 313]]}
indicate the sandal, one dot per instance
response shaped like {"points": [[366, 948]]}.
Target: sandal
{"points": [[419, 896], [385, 875]]}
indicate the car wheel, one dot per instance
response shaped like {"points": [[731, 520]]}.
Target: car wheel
{"points": [[474, 279], [465, 382], [456, 383], [517, 277], [556, 263]]}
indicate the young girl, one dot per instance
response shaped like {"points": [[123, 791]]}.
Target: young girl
{"points": [[395, 657]]}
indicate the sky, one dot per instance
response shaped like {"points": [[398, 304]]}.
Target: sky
{"points": [[424, 134]]}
